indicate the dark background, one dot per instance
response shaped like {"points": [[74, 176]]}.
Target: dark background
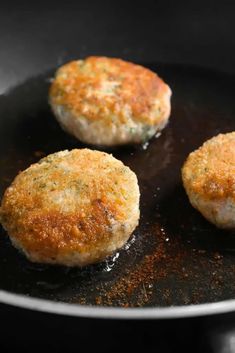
{"points": [[188, 32], [36, 37]]}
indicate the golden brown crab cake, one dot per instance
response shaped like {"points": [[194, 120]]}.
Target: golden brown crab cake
{"points": [[209, 179], [107, 101], [71, 208]]}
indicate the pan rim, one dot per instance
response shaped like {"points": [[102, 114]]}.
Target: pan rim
{"points": [[94, 312]]}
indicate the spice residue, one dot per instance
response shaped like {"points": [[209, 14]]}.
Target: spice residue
{"points": [[136, 287]]}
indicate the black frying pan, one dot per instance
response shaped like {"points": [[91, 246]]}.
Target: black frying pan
{"points": [[176, 263]]}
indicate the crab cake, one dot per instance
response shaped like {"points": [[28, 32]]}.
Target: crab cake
{"points": [[107, 101], [71, 208], [209, 179]]}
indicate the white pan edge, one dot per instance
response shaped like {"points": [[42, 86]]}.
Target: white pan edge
{"points": [[84, 311]]}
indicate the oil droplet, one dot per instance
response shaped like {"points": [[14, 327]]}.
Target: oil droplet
{"points": [[145, 145], [129, 243], [111, 262], [158, 134]]}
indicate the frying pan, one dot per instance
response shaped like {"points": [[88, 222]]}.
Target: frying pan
{"points": [[176, 264]]}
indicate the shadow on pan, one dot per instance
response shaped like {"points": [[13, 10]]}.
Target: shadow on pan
{"points": [[174, 257]]}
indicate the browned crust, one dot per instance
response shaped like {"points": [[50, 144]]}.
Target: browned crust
{"points": [[50, 233], [40, 227], [210, 170], [76, 86]]}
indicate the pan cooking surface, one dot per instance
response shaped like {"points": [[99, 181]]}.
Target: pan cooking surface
{"points": [[175, 257]]}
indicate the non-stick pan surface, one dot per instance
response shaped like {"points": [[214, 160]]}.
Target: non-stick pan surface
{"points": [[175, 258]]}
